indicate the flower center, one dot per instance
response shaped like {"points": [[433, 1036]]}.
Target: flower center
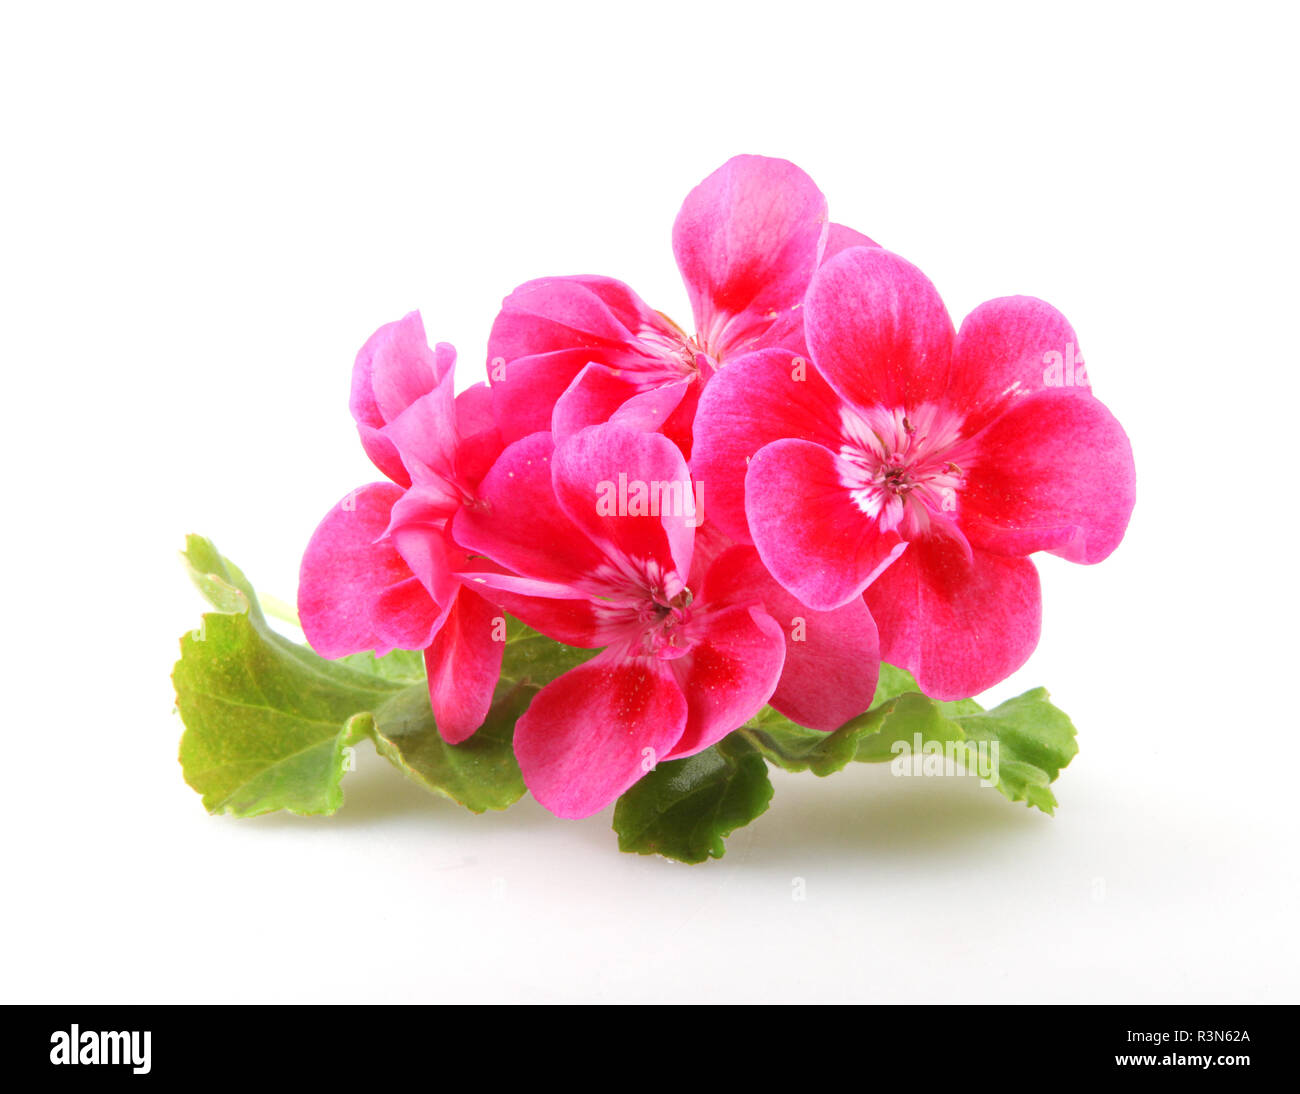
{"points": [[662, 626], [664, 355], [905, 468], [644, 607]]}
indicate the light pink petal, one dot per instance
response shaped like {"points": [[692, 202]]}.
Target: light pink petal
{"points": [[832, 659], [787, 332], [878, 331], [519, 524], [1008, 349], [603, 469], [812, 537], [593, 732], [560, 612], [758, 398], [747, 240], [729, 674], [840, 238], [958, 626], [1055, 473], [601, 394], [346, 569], [464, 664]]}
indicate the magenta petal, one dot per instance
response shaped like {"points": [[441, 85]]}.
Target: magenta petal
{"points": [[812, 537], [1055, 473], [832, 659], [747, 240], [728, 676], [611, 480], [518, 522], [601, 394], [959, 627], [346, 569], [555, 313], [593, 732], [464, 664], [405, 617], [525, 391], [758, 398], [878, 331], [548, 330], [1008, 349]]}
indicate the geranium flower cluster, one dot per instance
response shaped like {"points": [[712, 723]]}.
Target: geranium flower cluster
{"points": [[823, 474]]}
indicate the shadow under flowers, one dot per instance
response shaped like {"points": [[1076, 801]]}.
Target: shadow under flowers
{"points": [[863, 812], [870, 813]]}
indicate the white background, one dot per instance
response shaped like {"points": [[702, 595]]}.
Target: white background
{"points": [[207, 209]]}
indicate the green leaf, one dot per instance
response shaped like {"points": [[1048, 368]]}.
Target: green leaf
{"points": [[480, 773], [796, 748], [532, 658], [402, 666], [892, 683], [685, 809], [1035, 741], [267, 722]]}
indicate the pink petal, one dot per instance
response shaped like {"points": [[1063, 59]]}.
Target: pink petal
{"points": [[756, 399], [405, 617], [841, 238], [812, 537], [593, 732], [419, 532], [747, 240], [878, 331], [602, 469], [729, 674], [424, 432], [832, 659], [959, 627], [464, 665], [346, 569], [1008, 349], [394, 368], [1055, 473]]}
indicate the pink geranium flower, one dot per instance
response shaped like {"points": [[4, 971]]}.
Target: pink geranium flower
{"points": [[379, 572], [567, 352], [689, 652], [917, 465]]}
